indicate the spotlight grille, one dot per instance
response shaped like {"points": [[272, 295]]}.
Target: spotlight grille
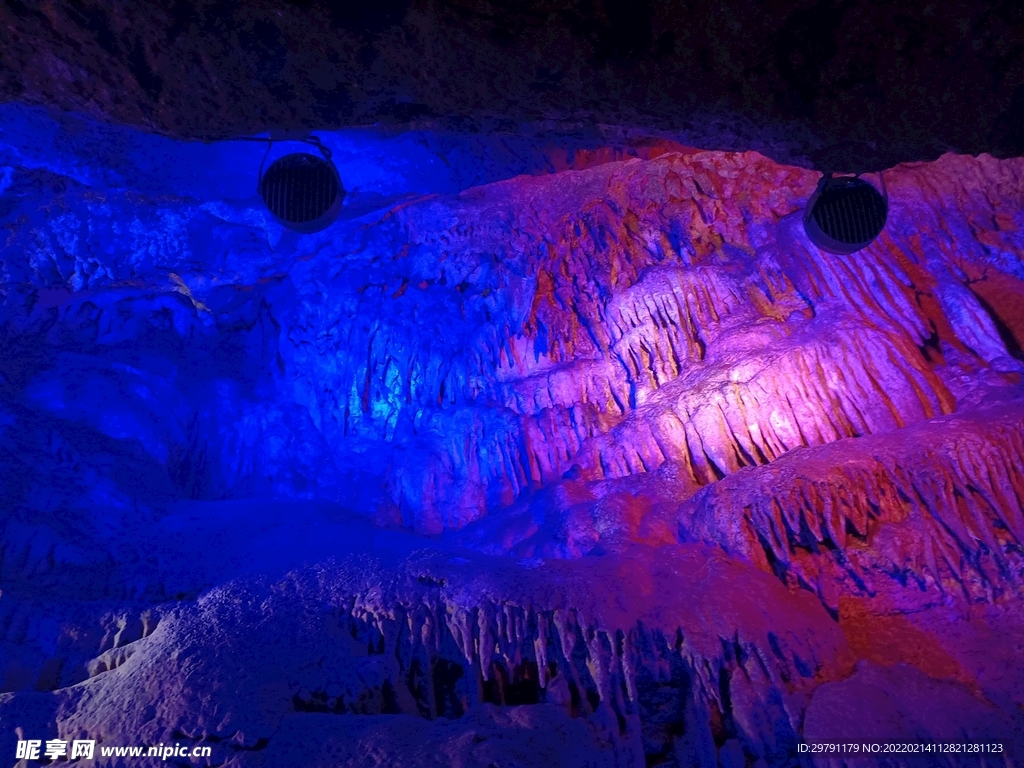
{"points": [[301, 190], [850, 213]]}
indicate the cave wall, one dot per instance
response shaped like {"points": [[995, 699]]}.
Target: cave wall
{"points": [[837, 86], [551, 440], [440, 358]]}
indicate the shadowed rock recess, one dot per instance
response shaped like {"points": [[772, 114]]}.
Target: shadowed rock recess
{"points": [[547, 453], [844, 86]]}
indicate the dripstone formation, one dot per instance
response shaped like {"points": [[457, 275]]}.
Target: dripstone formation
{"points": [[563, 445], [596, 466]]}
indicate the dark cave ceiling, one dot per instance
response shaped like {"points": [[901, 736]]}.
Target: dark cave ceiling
{"points": [[845, 86]]}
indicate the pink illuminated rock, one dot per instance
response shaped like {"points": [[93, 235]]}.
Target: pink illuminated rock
{"points": [[609, 457]]}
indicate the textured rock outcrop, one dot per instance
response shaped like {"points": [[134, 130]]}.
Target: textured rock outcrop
{"points": [[614, 318], [609, 453], [938, 505], [857, 86], [442, 634]]}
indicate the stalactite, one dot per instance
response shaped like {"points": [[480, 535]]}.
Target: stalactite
{"points": [[923, 506]]}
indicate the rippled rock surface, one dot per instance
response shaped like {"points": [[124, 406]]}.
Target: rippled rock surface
{"points": [[585, 458]]}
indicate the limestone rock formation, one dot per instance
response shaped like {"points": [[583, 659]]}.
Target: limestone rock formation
{"points": [[596, 463]]}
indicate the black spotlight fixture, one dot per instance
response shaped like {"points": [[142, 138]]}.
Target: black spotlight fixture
{"points": [[845, 214], [302, 191]]}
